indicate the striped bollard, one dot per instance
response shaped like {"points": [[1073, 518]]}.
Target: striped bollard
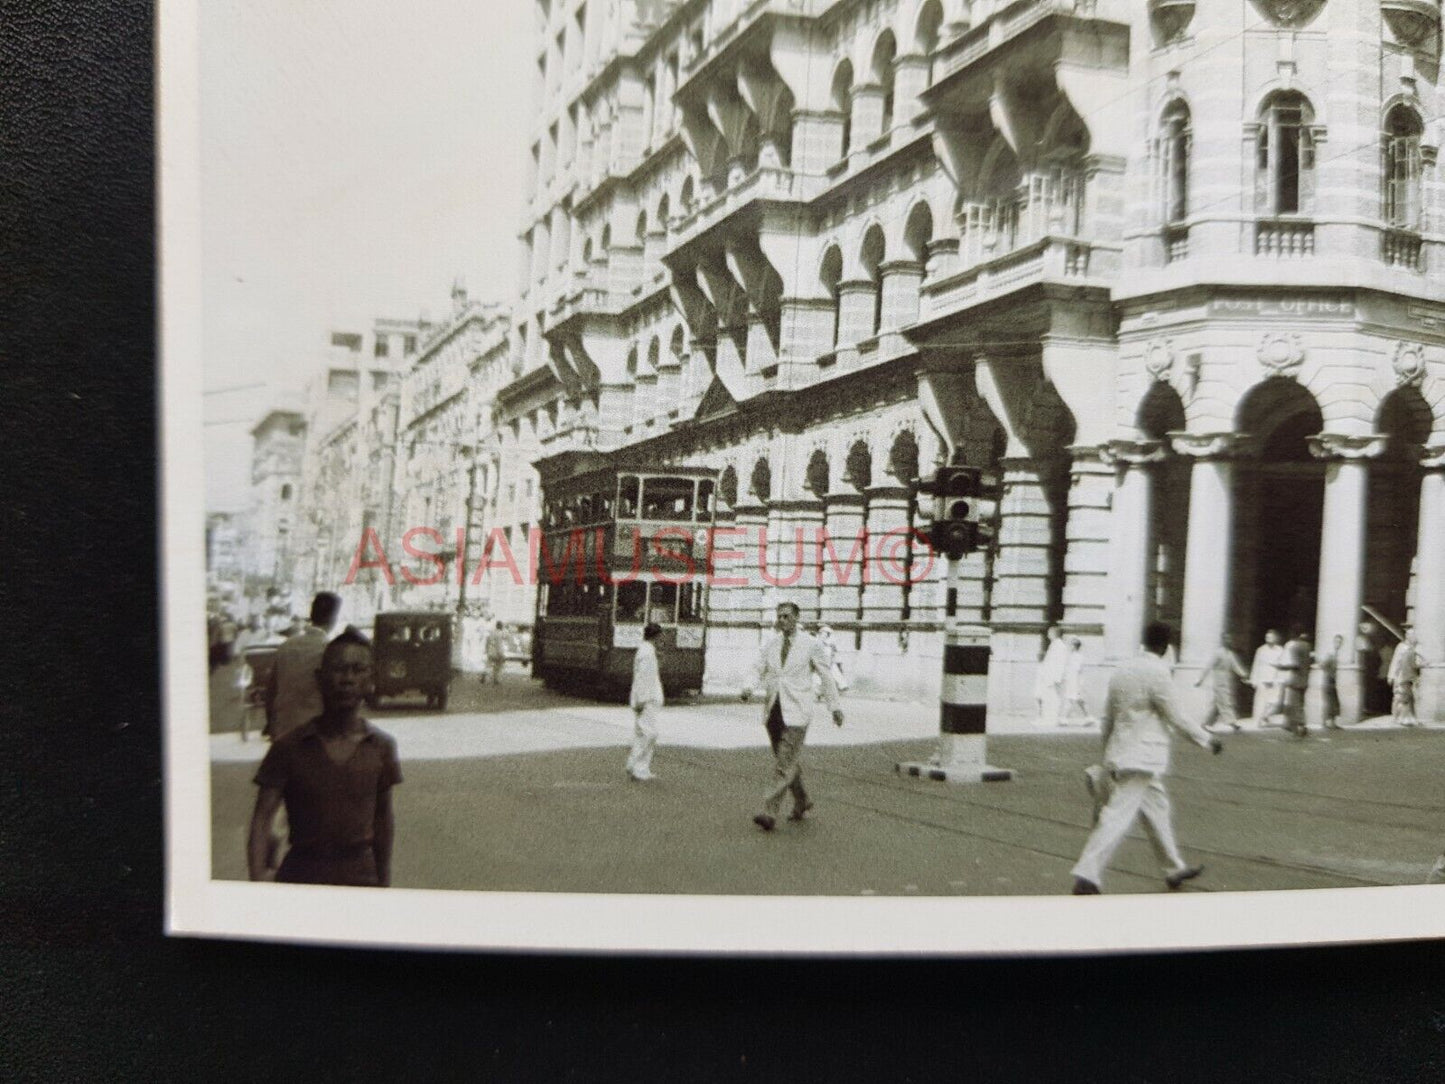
{"points": [[963, 709]]}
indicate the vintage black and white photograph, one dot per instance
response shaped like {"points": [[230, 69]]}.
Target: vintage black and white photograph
{"points": [[773, 476]]}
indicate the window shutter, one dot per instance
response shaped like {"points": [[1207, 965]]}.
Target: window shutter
{"points": [[1306, 168], [1414, 183], [1263, 204]]}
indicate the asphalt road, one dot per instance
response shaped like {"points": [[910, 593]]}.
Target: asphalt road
{"points": [[1349, 809]]}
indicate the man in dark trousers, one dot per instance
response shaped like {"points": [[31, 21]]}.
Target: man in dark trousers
{"points": [[291, 693], [334, 774], [1139, 713]]}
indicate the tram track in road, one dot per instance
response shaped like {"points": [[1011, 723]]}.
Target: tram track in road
{"points": [[953, 796], [956, 798]]}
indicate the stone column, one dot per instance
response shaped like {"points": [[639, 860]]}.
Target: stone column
{"points": [[855, 319], [751, 541], [867, 116], [910, 79], [1128, 587], [1086, 542], [722, 592], [1210, 545], [1430, 584], [793, 554], [843, 570], [1021, 570], [887, 524], [817, 140], [942, 258], [901, 279], [1342, 550], [883, 663]]}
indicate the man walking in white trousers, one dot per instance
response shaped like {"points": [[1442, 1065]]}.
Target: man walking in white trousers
{"points": [[646, 701], [1138, 714]]}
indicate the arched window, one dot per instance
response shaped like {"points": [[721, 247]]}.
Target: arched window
{"points": [[917, 233], [686, 197], [606, 240], [843, 102], [1285, 155], [830, 275], [641, 226], [1400, 145], [871, 257], [632, 361], [676, 345], [930, 19], [663, 212], [883, 55], [1173, 154], [587, 251]]}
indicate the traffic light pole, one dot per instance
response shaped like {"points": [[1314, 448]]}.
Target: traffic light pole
{"points": [[963, 703]]}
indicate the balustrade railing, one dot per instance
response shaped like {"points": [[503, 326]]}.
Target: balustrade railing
{"points": [[1284, 240], [1402, 249]]}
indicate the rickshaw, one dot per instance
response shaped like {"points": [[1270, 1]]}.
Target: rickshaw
{"points": [[412, 652], [259, 661]]}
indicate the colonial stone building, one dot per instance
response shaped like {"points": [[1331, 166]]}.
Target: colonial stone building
{"points": [[438, 478], [1172, 269], [278, 442], [347, 480]]}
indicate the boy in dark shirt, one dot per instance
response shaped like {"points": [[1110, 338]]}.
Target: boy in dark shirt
{"points": [[334, 774]]}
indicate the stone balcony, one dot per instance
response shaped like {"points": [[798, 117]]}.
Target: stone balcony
{"points": [[1005, 26], [1068, 261], [763, 183]]}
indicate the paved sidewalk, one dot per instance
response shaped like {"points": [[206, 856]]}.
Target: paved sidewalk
{"points": [[577, 724]]}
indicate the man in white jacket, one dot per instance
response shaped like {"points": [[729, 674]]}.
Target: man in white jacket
{"points": [[646, 701], [785, 670], [1139, 713]]}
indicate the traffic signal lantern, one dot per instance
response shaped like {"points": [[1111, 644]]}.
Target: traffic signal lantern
{"points": [[965, 508]]}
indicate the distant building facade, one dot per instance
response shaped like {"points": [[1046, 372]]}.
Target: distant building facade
{"points": [[1172, 270]]}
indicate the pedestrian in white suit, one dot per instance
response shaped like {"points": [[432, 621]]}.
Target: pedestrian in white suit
{"points": [[1139, 712], [785, 672], [646, 701]]}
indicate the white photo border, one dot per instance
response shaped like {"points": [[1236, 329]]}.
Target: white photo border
{"points": [[198, 906]]}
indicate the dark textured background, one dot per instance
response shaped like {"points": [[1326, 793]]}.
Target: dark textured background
{"points": [[89, 990]]}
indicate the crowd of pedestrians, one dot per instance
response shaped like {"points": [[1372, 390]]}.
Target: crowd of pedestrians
{"points": [[327, 777]]}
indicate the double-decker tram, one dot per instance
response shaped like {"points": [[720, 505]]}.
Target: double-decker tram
{"points": [[622, 546]]}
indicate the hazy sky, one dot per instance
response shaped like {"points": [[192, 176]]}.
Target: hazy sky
{"points": [[356, 157]]}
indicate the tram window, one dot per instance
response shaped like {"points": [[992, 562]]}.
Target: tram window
{"points": [[662, 603], [544, 601], [704, 499], [584, 509], [631, 602], [666, 498], [602, 507], [689, 603], [627, 497], [604, 598], [556, 600]]}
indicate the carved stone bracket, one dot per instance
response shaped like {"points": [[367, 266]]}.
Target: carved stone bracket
{"points": [[1408, 361], [1159, 358], [1346, 446], [1281, 354], [1213, 445], [1131, 453]]}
